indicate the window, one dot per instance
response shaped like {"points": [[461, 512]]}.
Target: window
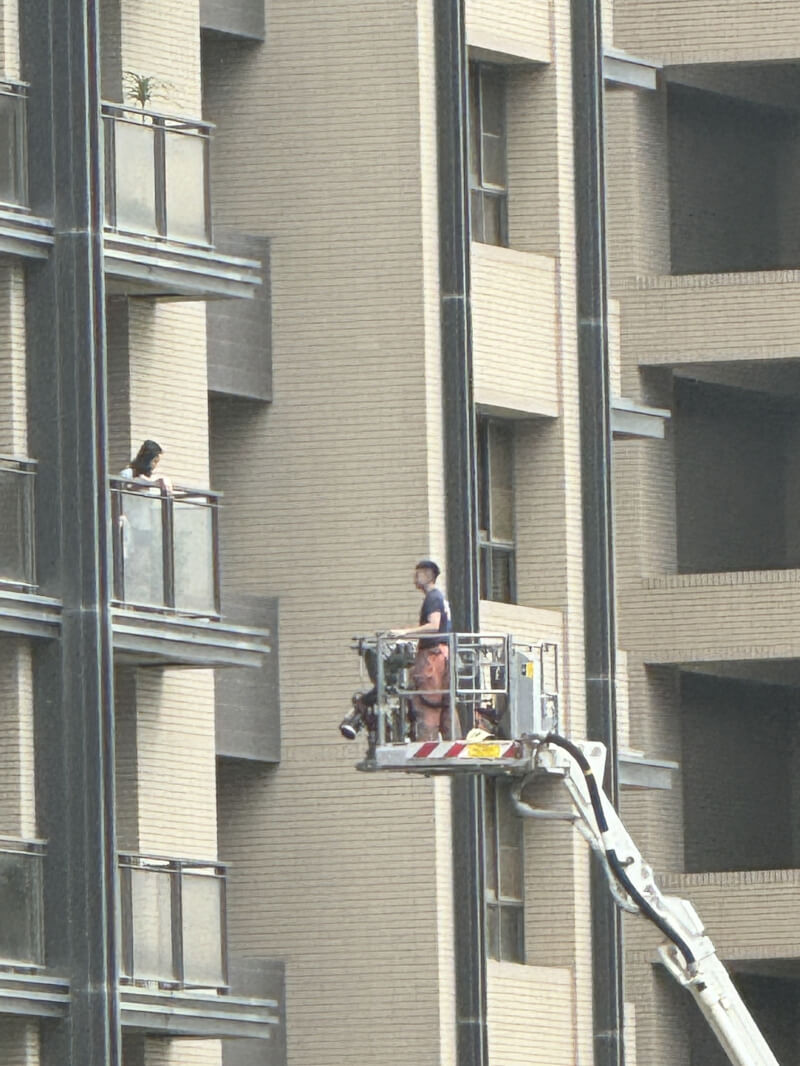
{"points": [[496, 510], [504, 881], [487, 154]]}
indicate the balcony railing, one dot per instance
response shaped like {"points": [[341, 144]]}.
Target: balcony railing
{"points": [[21, 937], [172, 919], [16, 523], [13, 153], [157, 175], [165, 548]]}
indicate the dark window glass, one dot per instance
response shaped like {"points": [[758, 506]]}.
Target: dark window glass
{"points": [[496, 509], [487, 154]]}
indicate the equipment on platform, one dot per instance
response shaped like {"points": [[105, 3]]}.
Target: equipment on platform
{"points": [[503, 698]]}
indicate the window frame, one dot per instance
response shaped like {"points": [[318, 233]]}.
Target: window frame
{"points": [[497, 806], [480, 76], [490, 546]]}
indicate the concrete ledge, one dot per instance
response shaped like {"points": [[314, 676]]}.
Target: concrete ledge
{"points": [[200, 1014], [25, 235], [155, 638], [33, 995], [136, 266], [29, 615]]}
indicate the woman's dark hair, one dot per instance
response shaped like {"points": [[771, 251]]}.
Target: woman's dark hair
{"points": [[142, 463]]}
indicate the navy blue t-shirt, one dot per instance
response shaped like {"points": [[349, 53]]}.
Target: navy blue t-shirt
{"points": [[435, 601]]}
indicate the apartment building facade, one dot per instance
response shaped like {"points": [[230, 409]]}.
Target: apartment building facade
{"points": [[221, 228]]}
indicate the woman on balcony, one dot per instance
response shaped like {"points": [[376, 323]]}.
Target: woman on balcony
{"points": [[142, 466]]}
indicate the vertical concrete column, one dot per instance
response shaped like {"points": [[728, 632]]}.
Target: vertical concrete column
{"points": [[73, 676]]}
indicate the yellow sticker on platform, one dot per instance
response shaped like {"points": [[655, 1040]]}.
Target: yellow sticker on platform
{"points": [[483, 751], [528, 670]]}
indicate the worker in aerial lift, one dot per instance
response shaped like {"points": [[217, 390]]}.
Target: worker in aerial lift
{"points": [[430, 673]]}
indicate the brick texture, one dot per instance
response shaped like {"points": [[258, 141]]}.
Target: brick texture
{"points": [[521, 30], [514, 331], [701, 32]]}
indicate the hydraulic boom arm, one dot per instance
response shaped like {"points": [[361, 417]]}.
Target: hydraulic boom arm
{"points": [[688, 954]]}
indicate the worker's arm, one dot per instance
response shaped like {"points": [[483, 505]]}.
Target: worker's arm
{"points": [[431, 626]]}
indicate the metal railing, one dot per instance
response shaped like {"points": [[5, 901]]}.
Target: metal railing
{"points": [[13, 145], [17, 561], [488, 678], [165, 547], [172, 922], [21, 906], [157, 174]]}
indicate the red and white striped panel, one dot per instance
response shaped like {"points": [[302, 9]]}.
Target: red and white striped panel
{"points": [[463, 749]]}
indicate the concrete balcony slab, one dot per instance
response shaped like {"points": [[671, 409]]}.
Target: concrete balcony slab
{"points": [[706, 318]]}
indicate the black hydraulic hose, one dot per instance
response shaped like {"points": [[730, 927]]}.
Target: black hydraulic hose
{"points": [[613, 859]]}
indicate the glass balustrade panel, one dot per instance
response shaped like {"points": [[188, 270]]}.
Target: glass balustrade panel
{"points": [[142, 541], [193, 527], [11, 174], [202, 930], [187, 211], [151, 919], [20, 908], [135, 177], [15, 555]]}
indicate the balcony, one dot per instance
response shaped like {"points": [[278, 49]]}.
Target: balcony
{"points": [[24, 989], [158, 210], [173, 919], [173, 965], [166, 606], [22, 611], [514, 332], [20, 233]]}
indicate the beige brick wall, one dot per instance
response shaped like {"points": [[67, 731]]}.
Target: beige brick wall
{"points": [[181, 1052], [534, 120], [514, 331], [166, 764], [637, 194], [19, 1041], [531, 1019], [17, 793], [748, 915], [331, 496], [703, 32], [704, 617], [9, 38], [507, 27], [708, 317], [163, 42], [13, 399], [168, 386]]}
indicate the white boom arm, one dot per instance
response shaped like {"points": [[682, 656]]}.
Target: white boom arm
{"points": [[688, 954]]}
